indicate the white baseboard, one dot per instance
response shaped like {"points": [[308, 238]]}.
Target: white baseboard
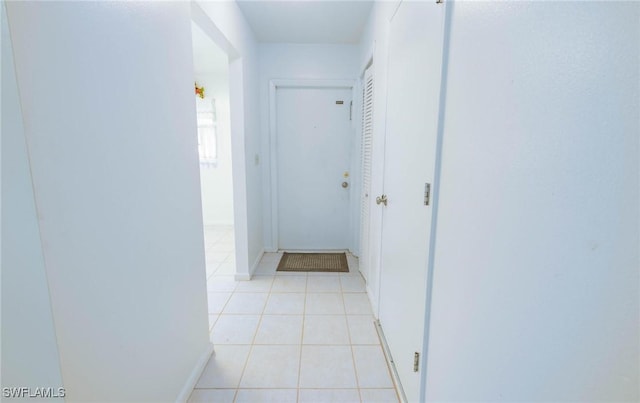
{"points": [[193, 378], [255, 264], [390, 363], [374, 303], [252, 269]]}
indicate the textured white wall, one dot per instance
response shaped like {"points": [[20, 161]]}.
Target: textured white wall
{"points": [[29, 346], [107, 97], [296, 61], [535, 288]]}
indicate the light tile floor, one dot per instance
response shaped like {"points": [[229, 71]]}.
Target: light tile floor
{"points": [[289, 337]]}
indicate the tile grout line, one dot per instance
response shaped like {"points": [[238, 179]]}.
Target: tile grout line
{"points": [[209, 278], [270, 292], [304, 314], [246, 363], [219, 315], [255, 334], [223, 306], [353, 356], [253, 341], [291, 388]]}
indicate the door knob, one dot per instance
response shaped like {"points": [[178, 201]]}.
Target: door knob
{"points": [[381, 200]]}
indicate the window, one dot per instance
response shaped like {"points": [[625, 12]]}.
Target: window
{"points": [[207, 131]]}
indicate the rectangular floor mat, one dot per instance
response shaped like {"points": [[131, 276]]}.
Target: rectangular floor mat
{"points": [[314, 262]]}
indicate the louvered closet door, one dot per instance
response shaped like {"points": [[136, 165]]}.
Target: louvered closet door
{"points": [[365, 157]]}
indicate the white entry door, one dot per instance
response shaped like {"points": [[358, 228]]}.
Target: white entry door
{"points": [[313, 139], [415, 59]]}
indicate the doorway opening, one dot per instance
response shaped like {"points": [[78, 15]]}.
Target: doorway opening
{"points": [[211, 78]]}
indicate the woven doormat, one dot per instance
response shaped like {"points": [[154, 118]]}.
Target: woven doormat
{"points": [[314, 262]]}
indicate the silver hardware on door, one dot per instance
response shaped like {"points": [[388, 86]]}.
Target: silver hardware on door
{"points": [[345, 184], [427, 193], [339, 102], [416, 361], [381, 200], [350, 109]]}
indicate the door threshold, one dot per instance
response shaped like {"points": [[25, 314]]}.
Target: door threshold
{"points": [[315, 251]]}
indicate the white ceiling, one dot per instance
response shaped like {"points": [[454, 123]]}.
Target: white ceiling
{"points": [[207, 56], [306, 21]]}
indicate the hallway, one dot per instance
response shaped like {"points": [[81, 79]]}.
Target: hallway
{"points": [[288, 337], [492, 188]]}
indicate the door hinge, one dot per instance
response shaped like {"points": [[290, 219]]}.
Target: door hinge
{"points": [[427, 194], [439, 1], [416, 361], [350, 110]]}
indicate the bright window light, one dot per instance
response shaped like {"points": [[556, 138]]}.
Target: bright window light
{"points": [[207, 131]]}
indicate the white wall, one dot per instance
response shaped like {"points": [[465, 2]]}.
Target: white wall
{"points": [[374, 45], [232, 27], [116, 189], [295, 61], [29, 347], [535, 287], [216, 181]]}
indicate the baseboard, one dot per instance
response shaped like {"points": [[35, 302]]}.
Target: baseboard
{"points": [[374, 304], [392, 366], [193, 378], [252, 269], [256, 262]]}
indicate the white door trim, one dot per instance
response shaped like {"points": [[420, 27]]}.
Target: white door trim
{"points": [[273, 86], [237, 84]]}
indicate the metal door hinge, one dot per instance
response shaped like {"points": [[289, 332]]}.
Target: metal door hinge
{"points": [[416, 361], [439, 1], [350, 110], [427, 194], [381, 200]]}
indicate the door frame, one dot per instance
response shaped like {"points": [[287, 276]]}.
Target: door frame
{"points": [[237, 84], [273, 127]]}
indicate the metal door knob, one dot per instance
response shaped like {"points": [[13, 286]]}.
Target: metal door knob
{"points": [[345, 184], [381, 200]]}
